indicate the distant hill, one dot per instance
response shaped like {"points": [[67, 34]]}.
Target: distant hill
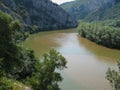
{"points": [[41, 13], [91, 10]]}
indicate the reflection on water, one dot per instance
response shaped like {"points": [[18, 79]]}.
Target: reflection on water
{"points": [[100, 51], [87, 62]]}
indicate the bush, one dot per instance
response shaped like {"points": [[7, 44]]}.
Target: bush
{"points": [[5, 84]]}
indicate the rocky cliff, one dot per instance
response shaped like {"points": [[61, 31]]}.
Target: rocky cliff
{"points": [[91, 10], [41, 13]]}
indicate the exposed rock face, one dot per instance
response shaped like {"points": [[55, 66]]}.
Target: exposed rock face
{"points": [[88, 9], [42, 13]]}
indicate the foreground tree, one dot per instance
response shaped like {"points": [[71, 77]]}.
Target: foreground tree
{"points": [[13, 58], [114, 77], [8, 43], [47, 77]]}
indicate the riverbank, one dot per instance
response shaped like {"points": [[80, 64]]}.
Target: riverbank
{"points": [[103, 33]]}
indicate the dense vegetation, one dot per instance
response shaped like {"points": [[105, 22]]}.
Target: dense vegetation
{"points": [[112, 11], [20, 64], [91, 10], [106, 33], [41, 13], [46, 77], [114, 77]]}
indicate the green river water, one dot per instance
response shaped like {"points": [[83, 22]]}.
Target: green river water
{"points": [[87, 61]]}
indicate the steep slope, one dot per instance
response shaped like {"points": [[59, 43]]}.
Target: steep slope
{"points": [[42, 13], [113, 12], [106, 12], [91, 10], [77, 8]]}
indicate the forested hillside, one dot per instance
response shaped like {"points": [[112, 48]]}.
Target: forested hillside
{"points": [[91, 10], [41, 14]]}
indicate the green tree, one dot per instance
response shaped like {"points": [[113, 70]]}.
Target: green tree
{"points": [[15, 61], [47, 77], [114, 77], [8, 43]]}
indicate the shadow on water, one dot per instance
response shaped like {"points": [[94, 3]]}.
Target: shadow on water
{"points": [[101, 52]]}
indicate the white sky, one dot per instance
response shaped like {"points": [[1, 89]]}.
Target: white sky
{"points": [[61, 1]]}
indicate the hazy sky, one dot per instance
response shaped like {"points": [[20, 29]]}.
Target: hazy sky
{"points": [[61, 1]]}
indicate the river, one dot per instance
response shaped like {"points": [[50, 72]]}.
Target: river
{"points": [[87, 61]]}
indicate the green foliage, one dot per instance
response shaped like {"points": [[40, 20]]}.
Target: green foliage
{"points": [[114, 77], [15, 61], [117, 23], [47, 77], [28, 65], [18, 63], [101, 33], [32, 29], [8, 41], [5, 84]]}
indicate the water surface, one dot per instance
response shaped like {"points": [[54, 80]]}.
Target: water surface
{"points": [[87, 61]]}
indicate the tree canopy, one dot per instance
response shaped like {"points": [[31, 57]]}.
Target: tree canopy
{"points": [[101, 33]]}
